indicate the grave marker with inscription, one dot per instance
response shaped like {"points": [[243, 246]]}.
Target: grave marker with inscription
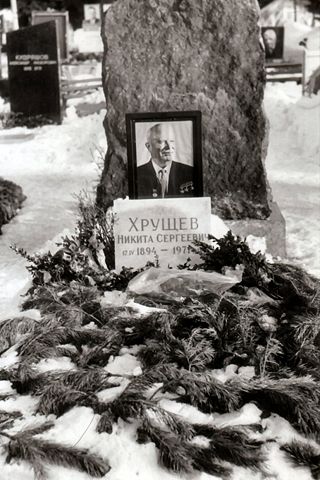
{"points": [[190, 55], [163, 229], [194, 55], [34, 71]]}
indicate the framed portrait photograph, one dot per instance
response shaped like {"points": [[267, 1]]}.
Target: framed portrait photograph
{"points": [[164, 154], [273, 40], [91, 13]]}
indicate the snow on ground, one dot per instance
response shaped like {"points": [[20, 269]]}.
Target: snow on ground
{"points": [[127, 458], [52, 168], [57, 163], [293, 167]]}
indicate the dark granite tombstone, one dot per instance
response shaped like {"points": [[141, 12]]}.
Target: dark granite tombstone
{"points": [[34, 71]]}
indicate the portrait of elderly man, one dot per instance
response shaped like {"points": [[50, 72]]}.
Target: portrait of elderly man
{"points": [[163, 176], [273, 42], [92, 14]]}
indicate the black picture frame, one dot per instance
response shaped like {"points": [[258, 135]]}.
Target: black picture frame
{"points": [[274, 51], [186, 125]]}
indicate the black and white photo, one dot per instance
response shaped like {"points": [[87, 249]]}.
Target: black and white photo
{"points": [[159, 239], [164, 155], [273, 40], [91, 14]]}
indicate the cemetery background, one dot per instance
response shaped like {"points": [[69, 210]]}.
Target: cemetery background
{"points": [[50, 170]]}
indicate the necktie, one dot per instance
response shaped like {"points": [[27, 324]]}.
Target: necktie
{"points": [[163, 181]]}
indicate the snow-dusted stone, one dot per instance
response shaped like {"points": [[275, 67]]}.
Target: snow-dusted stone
{"points": [[270, 233], [11, 199], [166, 55]]}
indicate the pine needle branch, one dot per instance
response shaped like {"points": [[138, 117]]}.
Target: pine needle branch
{"points": [[58, 399], [163, 418], [232, 251], [203, 459], [7, 419], [233, 445], [87, 380], [13, 329], [296, 399], [179, 455], [39, 452], [304, 455], [269, 355], [174, 453], [201, 390]]}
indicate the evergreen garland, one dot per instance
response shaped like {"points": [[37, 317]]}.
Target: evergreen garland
{"points": [[268, 322], [233, 445], [231, 251]]}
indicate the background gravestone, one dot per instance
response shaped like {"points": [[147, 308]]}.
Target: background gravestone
{"points": [[164, 55], [62, 20], [34, 71]]}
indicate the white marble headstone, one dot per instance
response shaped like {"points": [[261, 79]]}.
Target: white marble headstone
{"points": [[159, 229]]}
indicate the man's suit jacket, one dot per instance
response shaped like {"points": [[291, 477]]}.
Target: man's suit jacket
{"points": [[180, 181]]}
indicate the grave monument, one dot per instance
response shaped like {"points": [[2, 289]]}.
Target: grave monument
{"points": [[33, 65], [179, 55]]}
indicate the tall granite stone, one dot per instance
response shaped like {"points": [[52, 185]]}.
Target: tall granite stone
{"points": [[165, 55]]}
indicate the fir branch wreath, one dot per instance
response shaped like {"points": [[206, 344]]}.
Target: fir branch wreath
{"points": [[269, 322]]}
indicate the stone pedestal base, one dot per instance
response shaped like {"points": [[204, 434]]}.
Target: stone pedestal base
{"points": [[273, 229]]}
